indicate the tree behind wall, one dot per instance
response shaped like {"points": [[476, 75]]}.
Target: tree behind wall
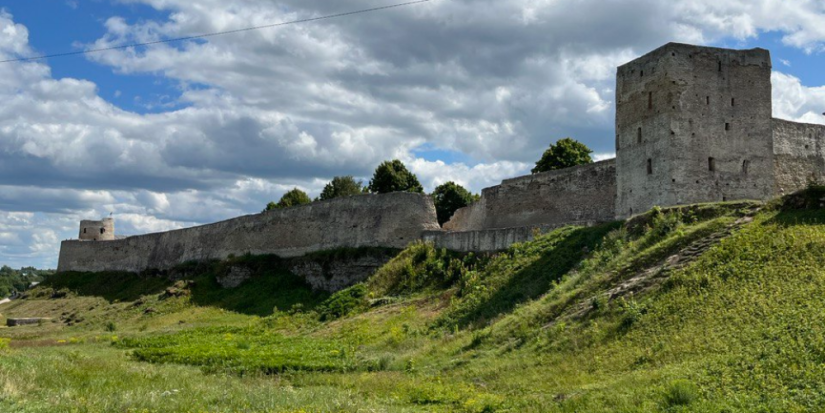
{"points": [[393, 176], [448, 198], [565, 153], [292, 198], [341, 186]]}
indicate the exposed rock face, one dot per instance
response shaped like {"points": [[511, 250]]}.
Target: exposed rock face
{"points": [[235, 277], [336, 275]]}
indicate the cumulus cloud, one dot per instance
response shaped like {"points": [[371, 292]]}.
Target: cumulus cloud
{"points": [[796, 102], [264, 111]]}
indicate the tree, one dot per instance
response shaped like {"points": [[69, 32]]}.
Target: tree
{"points": [[292, 198], [564, 154], [393, 176], [450, 197], [341, 186]]}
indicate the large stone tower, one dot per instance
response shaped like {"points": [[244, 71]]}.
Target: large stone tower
{"points": [[103, 230], [693, 124]]}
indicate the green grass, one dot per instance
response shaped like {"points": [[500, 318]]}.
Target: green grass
{"points": [[741, 328], [242, 350]]}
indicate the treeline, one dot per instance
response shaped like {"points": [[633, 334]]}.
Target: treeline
{"points": [[12, 280], [393, 176], [390, 176]]}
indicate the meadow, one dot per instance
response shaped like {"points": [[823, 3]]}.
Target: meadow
{"points": [[708, 308]]}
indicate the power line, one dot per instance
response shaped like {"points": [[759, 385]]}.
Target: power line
{"points": [[201, 36]]}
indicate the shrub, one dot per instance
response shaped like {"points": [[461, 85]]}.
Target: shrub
{"points": [[344, 302], [680, 393], [111, 326], [4, 343], [419, 267]]}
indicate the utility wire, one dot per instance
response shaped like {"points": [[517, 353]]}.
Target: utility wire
{"points": [[201, 36]]}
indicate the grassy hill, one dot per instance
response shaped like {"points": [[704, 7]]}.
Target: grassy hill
{"points": [[708, 308]]}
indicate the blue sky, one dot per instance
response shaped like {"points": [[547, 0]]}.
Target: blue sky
{"points": [[71, 25], [178, 135]]}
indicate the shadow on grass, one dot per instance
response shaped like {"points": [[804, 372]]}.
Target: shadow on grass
{"points": [[531, 282], [798, 217], [271, 286]]}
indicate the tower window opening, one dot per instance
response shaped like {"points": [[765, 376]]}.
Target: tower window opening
{"points": [[650, 100], [639, 136], [649, 166], [641, 73], [733, 101], [102, 230], [727, 126], [707, 100], [745, 165], [84, 230], [720, 66], [711, 164]]}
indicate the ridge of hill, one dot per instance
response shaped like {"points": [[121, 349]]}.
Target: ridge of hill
{"points": [[705, 308]]}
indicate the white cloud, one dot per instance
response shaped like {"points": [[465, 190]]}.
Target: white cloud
{"points": [[793, 101]]}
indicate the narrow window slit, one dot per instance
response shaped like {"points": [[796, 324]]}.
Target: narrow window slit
{"points": [[711, 164], [649, 166]]}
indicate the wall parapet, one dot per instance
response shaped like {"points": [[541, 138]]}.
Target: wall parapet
{"points": [[584, 193], [388, 220]]}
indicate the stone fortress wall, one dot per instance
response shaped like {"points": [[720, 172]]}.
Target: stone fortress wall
{"points": [[390, 220], [799, 155], [693, 124]]}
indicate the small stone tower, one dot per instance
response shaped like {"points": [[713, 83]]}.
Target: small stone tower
{"points": [[693, 124], [103, 230]]}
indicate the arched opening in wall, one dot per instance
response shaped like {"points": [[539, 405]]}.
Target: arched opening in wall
{"points": [[102, 230], [711, 164], [649, 166], [639, 136], [84, 230], [745, 165]]}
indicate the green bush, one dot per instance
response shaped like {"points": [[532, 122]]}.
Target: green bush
{"points": [[344, 302], [422, 266], [111, 326], [680, 393], [4, 343]]}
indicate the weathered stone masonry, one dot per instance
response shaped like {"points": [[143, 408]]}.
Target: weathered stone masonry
{"points": [[391, 220], [693, 124]]}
